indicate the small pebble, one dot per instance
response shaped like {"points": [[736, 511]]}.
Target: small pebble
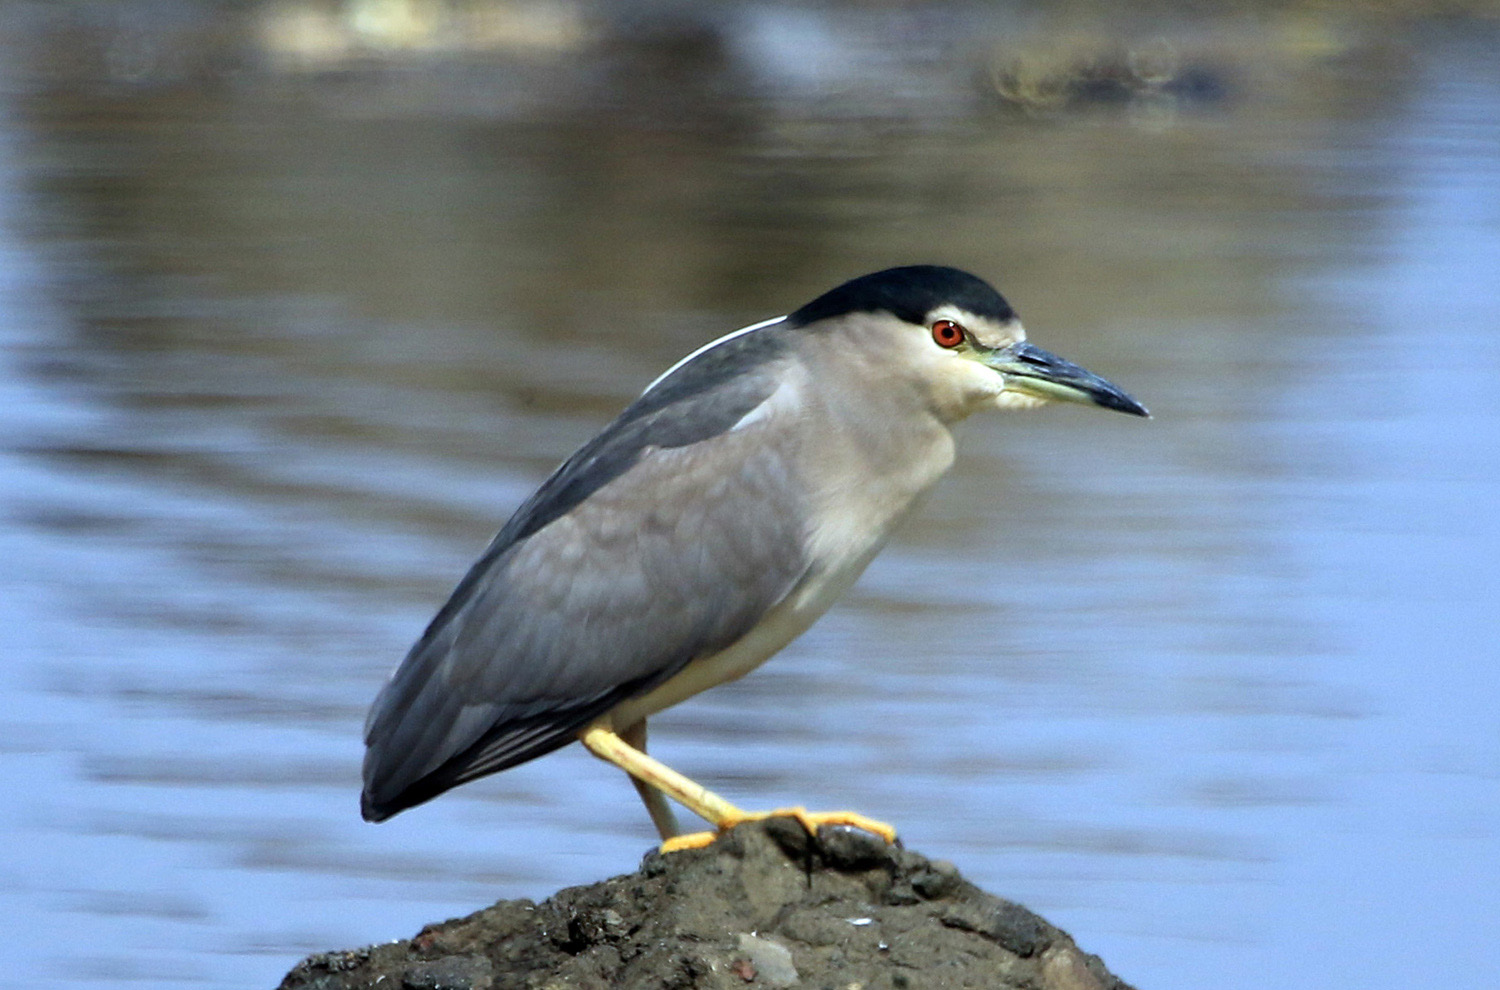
{"points": [[772, 960]]}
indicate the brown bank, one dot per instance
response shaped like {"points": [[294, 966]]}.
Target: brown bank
{"points": [[765, 906]]}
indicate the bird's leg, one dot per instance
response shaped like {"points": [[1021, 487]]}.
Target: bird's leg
{"points": [[604, 743], [655, 776], [656, 802]]}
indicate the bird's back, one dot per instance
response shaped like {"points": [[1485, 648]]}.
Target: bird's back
{"points": [[665, 538]]}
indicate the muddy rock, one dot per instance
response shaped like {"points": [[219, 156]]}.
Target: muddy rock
{"points": [[765, 906]]}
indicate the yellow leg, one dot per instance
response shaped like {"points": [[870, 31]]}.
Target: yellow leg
{"points": [[655, 801], [605, 744]]}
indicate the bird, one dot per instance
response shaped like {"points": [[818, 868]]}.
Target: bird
{"points": [[701, 531]]}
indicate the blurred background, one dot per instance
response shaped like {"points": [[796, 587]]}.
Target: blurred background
{"points": [[299, 299]]}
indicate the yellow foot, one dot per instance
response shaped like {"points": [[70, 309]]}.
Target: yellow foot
{"points": [[693, 840], [810, 820], [813, 820]]}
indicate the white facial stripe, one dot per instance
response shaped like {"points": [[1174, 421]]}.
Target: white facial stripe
{"points": [[948, 312], [710, 346], [985, 330]]}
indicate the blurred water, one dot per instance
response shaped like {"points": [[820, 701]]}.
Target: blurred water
{"points": [[287, 331]]}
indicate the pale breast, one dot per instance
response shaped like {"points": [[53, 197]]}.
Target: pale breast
{"points": [[859, 482]]}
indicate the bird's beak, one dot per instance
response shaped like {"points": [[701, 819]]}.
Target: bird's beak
{"points": [[1032, 371]]}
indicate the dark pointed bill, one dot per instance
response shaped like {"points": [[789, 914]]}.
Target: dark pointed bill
{"points": [[1033, 371]]}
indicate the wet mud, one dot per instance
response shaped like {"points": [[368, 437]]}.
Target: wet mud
{"points": [[765, 906]]}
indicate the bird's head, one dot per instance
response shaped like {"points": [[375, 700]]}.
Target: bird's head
{"points": [[954, 336]]}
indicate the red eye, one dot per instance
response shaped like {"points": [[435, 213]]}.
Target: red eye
{"points": [[946, 333]]}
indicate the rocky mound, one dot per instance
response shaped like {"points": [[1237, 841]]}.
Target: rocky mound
{"points": [[765, 906]]}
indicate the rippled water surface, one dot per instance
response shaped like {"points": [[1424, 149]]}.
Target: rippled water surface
{"points": [[287, 330]]}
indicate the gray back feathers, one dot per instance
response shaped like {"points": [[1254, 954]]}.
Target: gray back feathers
{"points": [[665, 538]]}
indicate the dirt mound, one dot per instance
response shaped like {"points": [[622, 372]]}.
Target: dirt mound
{"points": [[765, 906]]}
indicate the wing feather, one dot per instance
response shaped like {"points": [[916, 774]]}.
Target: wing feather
{"points": [[664, 539]]}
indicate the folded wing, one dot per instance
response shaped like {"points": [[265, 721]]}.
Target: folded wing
{"points": [[665, 538]]}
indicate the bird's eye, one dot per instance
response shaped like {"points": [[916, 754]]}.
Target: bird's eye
{"points": [[946, 333]]}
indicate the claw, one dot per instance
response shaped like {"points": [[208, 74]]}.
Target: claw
{"points": [[810, 820], [814, 820]]}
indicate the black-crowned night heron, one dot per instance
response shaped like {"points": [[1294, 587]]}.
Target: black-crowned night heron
{"points": [[704, 529]]}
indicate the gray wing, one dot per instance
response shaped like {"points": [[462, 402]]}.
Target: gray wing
{"points": [[665, 538]]}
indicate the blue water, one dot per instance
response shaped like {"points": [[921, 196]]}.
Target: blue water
{"points": [[281, 345]]}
